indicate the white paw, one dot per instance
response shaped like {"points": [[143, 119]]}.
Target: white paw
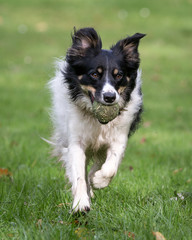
{"points": [[103, 177], [99, 180], [81, 204]]}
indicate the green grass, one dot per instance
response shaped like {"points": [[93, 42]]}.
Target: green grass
{"points": [[137, 201]]}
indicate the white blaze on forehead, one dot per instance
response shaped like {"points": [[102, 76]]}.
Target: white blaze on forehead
{"points": [[107, 70], [108, 88]]}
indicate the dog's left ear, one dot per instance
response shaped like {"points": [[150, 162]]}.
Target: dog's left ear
{"points": [[85, 40], [129, 48]]}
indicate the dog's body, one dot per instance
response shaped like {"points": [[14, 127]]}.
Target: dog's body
{"points": [[109, 77]]}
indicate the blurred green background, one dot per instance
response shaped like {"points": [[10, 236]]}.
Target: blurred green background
{"points": [[34, 33]]}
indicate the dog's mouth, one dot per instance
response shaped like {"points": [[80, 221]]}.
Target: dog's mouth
{"points": [[92, 98], [90, 91], [103, 113]]}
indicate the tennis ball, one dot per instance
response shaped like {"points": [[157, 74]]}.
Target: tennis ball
{"points": [[105, 113]]}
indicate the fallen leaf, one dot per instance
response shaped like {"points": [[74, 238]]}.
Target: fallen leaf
{"points": [[143, 140], [5, 172], [76, 221], [10, 235], [130, 235], [60, 205], [130, 168], [177, 170], [39, 223], [158, 236]]}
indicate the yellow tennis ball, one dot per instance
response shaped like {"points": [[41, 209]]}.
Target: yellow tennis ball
{"points": [[105, 113]]}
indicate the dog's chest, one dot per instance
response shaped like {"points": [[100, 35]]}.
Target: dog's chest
{"points": [[96, 135]]}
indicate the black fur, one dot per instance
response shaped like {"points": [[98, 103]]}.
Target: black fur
{"points": [[136, 122]]}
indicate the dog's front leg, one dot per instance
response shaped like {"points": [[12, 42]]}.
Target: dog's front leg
{"points": [[76, 168], [115, 153]]}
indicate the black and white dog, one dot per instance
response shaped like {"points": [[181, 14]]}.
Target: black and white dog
{"points": [[90, 73]]}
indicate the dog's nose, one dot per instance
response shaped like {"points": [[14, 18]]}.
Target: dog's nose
{"points": [[109, 97]]}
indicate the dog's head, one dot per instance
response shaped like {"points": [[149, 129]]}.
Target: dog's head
{"points": [[106, 76]]}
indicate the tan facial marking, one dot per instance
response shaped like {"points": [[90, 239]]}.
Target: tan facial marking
{"points": [[121, 89], [88, 88], [115, 71], [128, 79], [99, 69], [80, 77]]}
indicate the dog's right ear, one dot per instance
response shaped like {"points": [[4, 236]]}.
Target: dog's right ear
{"points": [[128, 47], [85, 40]]}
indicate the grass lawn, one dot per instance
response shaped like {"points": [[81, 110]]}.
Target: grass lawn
{"points": [[152, 191]]}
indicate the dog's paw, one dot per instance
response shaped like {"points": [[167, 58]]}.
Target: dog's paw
{"points": [[81, 204], [99, 180], [103, 177]]}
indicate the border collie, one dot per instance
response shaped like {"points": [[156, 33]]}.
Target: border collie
{"points": [[90, 73]]}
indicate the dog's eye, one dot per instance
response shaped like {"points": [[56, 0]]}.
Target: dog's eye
{"points": [[95, 75], [119, 76]]}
